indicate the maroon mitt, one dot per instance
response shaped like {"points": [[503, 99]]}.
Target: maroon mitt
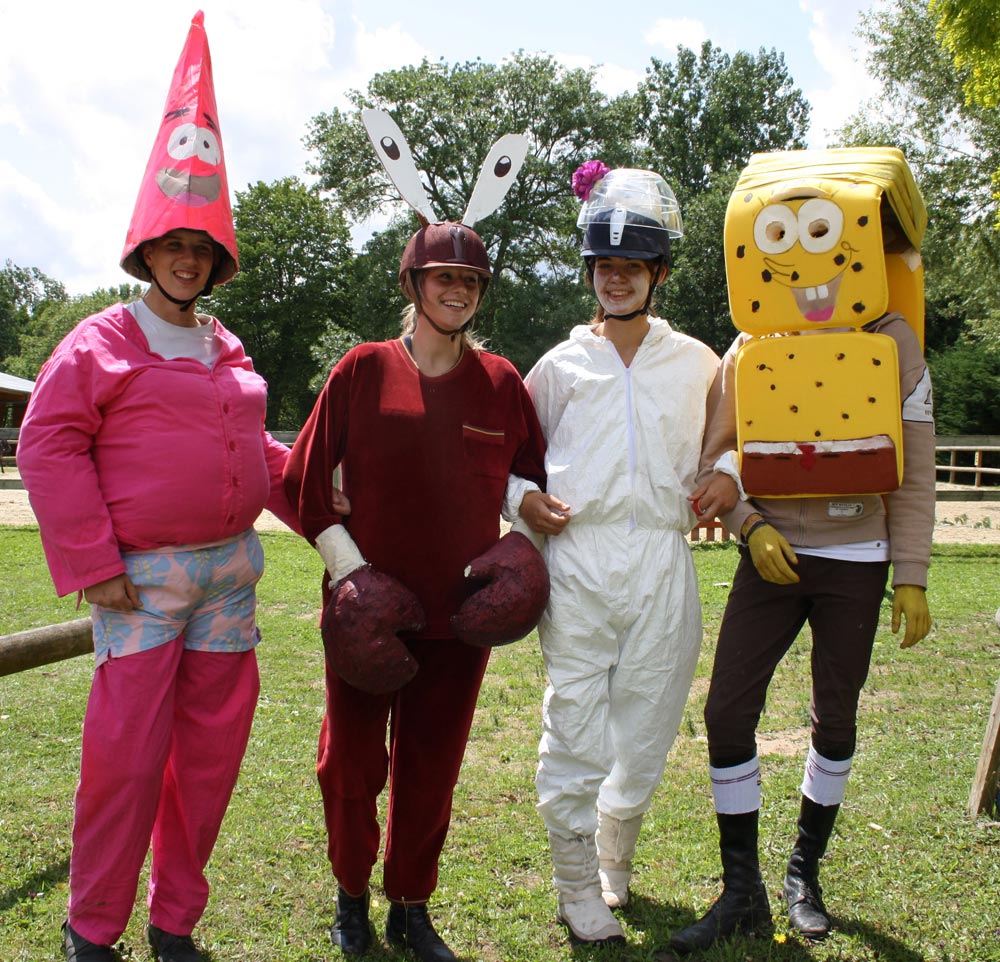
{"points": [[360, 624], [514, 592]]}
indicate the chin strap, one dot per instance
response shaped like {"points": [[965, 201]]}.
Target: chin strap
{"points": [[184, 304], [629, 317], [446, 333]]}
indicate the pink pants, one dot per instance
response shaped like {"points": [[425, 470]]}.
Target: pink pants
{"points": [[163, 738]]}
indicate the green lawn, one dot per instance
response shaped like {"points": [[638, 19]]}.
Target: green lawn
{"points": [[909, 875]]}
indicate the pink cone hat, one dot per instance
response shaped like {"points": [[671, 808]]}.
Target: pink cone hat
{"points": [[185, 184]]}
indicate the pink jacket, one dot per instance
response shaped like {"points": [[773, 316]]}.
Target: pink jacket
{"points": [[122, 450]]}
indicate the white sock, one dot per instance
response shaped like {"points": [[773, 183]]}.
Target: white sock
{"points": [[736, 789], [824, 781]]}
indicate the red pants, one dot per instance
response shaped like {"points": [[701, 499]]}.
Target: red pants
{"points": [[429, 721], [163, 739]]}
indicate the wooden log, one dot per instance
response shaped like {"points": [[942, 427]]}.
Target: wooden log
{"points": [[42, 646], [983, 796]]}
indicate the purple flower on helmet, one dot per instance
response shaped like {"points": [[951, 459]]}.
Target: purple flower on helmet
{"points": [[586, 175]]}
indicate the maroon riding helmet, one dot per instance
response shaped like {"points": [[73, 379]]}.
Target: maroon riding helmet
{"points": [[445, 245]]}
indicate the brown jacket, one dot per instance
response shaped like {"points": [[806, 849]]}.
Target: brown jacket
{"points": [[905, 516]]}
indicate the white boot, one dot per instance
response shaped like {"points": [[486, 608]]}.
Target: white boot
{"points": [[581, 906], [616, 840]]}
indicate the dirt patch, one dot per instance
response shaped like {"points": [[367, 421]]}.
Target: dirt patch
{"points": [[968, 522]]}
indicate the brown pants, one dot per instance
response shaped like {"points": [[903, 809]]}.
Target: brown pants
{"points": [[841, 601], [428, 720]]}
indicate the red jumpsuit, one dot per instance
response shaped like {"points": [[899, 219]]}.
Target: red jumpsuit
{"points": [[424, 461]]}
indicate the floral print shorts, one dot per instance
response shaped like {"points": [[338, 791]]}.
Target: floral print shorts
{"points": [[205, 593]]}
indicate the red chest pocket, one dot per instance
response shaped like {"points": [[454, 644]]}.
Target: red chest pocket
{"points": [[486, 451]]}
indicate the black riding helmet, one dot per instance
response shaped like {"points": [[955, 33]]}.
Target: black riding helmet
{"points": [[634, 214]]}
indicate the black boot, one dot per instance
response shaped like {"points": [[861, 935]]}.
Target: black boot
{"points": [[79, 949], [409, 926], [168, 947], [351, 929], [803, 896], [743, 906]]}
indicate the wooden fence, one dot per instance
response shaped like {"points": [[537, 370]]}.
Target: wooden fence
{"points": [[962, 471], [965, 472]]}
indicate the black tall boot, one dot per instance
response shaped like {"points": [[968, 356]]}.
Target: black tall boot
{"points": [[743, 906], [803, 896]]}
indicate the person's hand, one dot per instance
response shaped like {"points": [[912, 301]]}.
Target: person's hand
{"points": [[543, 513], [341, 504], [910, 602], [716, 497], [772, 555], [117, 593]]}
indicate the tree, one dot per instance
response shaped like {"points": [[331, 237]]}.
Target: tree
{"points": [[695, 298], [23, 290], [695, 123], [966, 379], [451, 115], [954, 148], [53, 319], [294, 256], [970, 31], [702, 116]]}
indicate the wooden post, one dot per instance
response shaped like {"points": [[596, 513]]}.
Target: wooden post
{"points": [[41, 646], [987, 781]]}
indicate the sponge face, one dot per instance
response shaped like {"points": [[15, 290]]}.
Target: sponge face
{"points": [[805, 255]]}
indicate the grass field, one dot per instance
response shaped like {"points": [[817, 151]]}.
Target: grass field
{"points": [[909, 875]]}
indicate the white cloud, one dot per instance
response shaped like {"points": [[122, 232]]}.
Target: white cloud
{"points": [[669, 34], [613, 80], [384, 48], [841, 54], [610, 79]]}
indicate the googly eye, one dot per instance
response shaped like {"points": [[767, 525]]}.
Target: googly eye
{"points": [[207, 146], [776, 229], [390, 147], [821, 222], [183, 141], [503, 167]]}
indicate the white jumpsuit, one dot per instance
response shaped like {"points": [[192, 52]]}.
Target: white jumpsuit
{"points": [[622, 630]]}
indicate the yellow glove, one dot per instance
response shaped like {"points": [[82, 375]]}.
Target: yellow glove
{"points": [[771, 555], [910, 602]]}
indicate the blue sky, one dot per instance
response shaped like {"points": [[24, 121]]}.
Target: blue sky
{"points": [[82, 85]]}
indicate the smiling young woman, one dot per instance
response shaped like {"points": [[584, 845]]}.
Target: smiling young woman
{"points": [[181, 263], [426, 430], [163, 547]]}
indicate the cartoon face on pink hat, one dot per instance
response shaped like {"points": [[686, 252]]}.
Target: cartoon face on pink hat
{"points": [[185, 184]]}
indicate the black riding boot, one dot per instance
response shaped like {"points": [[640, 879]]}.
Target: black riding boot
{"points": [[803, 896], [351, 930], [410, 927], [743, 906]]}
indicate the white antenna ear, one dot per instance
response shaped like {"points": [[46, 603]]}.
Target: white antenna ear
{"points": [[496, 177], [394, 153]]}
